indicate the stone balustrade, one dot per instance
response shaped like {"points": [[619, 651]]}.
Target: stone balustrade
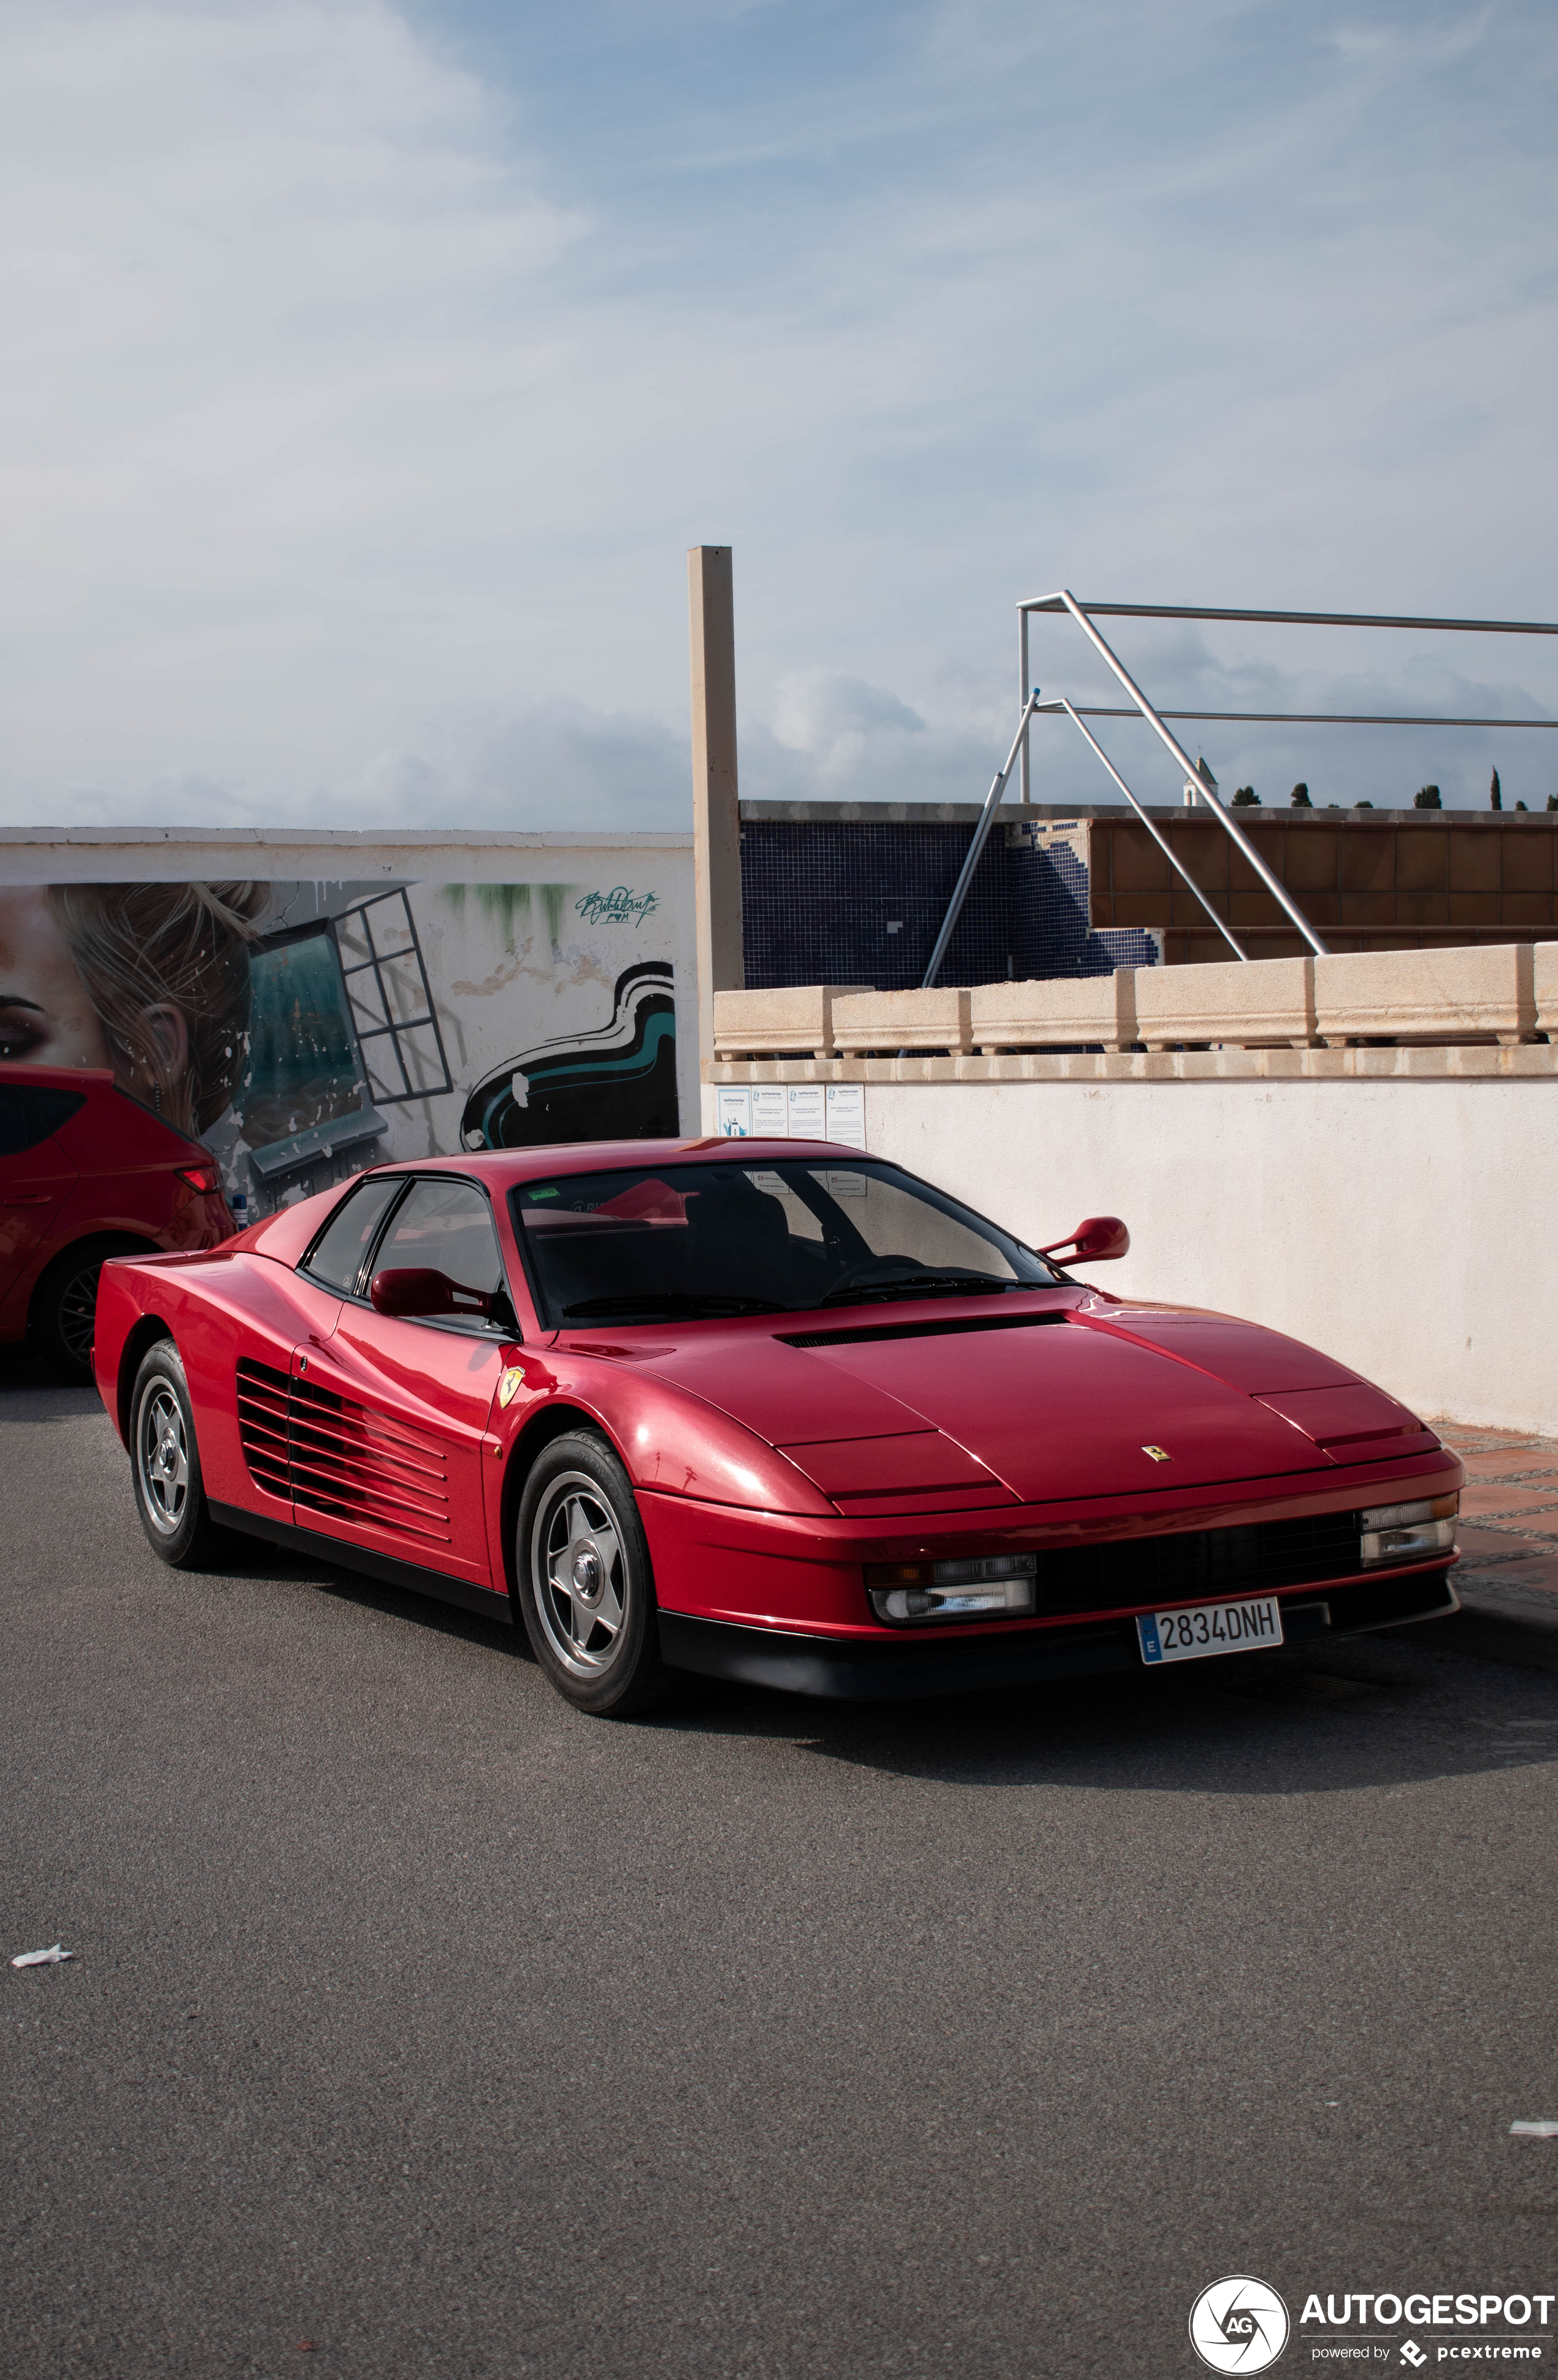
{"points": [[762, 1024], [1436, 996], [1264, 1003], [1074, 1012], [901, 1020], [1504, 994], [1544, 985]]}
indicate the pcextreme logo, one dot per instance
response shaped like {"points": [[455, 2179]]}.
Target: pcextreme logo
{"points": [[1238, 2324]]}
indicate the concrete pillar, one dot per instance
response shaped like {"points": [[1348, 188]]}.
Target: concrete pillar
{"points": [[717, 821]]}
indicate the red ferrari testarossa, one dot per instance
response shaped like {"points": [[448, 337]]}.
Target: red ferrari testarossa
{"points": [[775, 1411]]}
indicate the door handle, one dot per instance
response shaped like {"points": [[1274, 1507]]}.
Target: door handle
{"points": [[30, 1199]]}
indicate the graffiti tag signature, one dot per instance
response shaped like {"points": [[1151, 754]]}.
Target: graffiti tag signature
{"points": [[615, 908]]}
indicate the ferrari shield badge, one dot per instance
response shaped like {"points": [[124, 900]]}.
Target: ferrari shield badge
{"points": [[1158, 1453], [511, 1383]]}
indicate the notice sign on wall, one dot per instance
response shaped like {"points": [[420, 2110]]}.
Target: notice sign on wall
{"points": [[794, 1111]]}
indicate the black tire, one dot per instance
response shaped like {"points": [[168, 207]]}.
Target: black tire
{"points": [[165, 1464], [59, 1323], [586, 1588]]}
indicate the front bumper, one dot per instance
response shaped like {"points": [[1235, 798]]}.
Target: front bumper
{"points": [[876, 1671]]}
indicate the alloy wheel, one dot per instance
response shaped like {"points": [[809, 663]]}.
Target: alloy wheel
{"points": [[579, 1573], [77, 1313], [163, 1457]]}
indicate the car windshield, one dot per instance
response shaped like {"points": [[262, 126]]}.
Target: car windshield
{"points": [[647, 1245]]}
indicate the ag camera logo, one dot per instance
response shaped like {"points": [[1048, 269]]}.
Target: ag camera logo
{"points": [[1238, 2324]]}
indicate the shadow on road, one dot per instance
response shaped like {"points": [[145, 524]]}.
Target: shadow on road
{"points": [[27, 1394], [1391, 1710], [1388, 1711]]}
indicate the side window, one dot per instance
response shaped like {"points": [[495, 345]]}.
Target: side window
{"points": [[28, 1116], [337, 1254], [446, 1227]]}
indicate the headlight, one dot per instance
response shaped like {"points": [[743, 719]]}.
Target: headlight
{"points": [[981, 1586], [1408, 1532]]}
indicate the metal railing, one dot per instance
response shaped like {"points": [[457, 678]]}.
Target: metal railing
{"points": [[976, 849], [1196, 781]]}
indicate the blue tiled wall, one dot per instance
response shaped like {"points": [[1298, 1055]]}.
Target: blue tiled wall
{"points": [[829, 901]]}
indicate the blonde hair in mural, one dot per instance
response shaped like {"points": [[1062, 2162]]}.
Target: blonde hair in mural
{"points": [[166, 968]]}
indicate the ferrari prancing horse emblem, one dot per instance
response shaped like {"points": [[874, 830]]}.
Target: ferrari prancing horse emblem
{"points": [[511, 1383], [1158, 1453]]}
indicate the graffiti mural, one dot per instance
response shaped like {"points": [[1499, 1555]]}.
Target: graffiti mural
{"points": [[303, 1031], [625, 1072]]}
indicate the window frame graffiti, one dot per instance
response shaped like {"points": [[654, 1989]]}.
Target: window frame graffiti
{"points": [[393, 1027]]}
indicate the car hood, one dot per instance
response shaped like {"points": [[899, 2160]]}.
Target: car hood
{"points": [[1082, 1399]]}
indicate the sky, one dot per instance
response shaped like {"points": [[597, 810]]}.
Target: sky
{"points": [[371, 367]]}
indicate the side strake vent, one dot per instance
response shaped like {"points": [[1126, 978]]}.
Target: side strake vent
{"points": [[953, 1326], [262, 1403], [314, 1449]]}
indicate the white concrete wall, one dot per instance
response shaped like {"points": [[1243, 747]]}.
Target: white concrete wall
{"points": [[1409, 1228]]}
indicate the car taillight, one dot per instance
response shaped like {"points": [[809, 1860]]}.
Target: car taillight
{"points": [[200, 1177]]}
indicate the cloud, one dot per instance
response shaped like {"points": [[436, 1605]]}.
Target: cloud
{"points": [[370, 369], [829, 737]]}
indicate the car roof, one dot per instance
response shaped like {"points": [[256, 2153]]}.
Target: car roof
{"points": [[55, 1078], [505, 1168]]}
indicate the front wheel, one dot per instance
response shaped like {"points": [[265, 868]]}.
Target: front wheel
{"points": [[586, 1591], [166, 1464]]}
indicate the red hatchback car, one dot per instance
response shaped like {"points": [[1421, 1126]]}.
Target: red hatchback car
{"points": [[772, 1411], [87, 1172]]}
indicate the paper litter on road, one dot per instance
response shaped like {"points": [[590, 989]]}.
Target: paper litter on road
{"points": [[53, 1957], [1544, 2127]]}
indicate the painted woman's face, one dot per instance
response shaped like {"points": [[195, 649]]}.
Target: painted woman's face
{"points": [[45, 1016]]}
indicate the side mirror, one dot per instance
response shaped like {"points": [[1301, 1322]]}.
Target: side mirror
{"points": [[416, 1289], [1094, 1242]]}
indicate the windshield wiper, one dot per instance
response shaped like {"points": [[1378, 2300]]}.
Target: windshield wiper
{"points": [[672, 1302], [919, 1284]]}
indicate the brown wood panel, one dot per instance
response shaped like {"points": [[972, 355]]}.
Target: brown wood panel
{"points": [[1313, 860], [1475, 909], [1422, 859], [1368, 860], [1133, 909], [1474, 861], [1204, 851], [1528, 862], [1136, 865], [1408, 884]]}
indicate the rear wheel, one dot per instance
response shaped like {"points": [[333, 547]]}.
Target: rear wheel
{"points": [[166, 1464], [586, 1591], [64, 1308]]}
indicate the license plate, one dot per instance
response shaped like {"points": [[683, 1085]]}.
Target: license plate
{"points": [[1200, 1629]]}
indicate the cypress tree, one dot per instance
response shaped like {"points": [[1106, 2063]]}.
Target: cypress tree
{"points": [[1495, 795]]}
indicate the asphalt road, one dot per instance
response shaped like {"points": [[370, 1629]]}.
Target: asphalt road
{"points": [[415, 2017]]}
